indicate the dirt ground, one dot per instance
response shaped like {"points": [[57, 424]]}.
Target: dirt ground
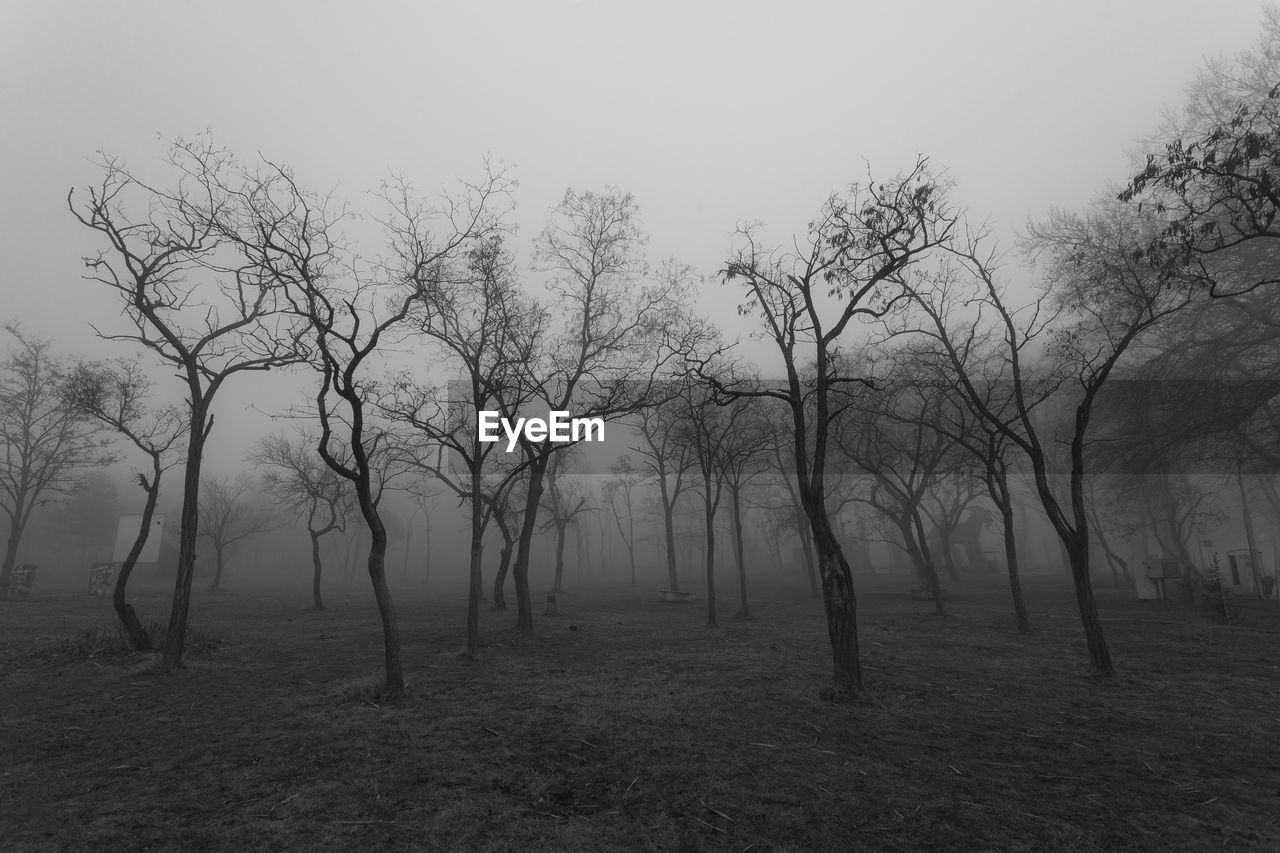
{"points": [[626, 724]]}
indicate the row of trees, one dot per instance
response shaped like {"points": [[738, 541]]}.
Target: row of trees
{"points": [[915, 369]]}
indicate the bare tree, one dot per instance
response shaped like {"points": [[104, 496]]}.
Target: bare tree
{"points": [[742, 459], [783, 472], [849, 266], [984, 409], [667, 463], [623, 330], [192, 302], [488, 328], [889, 431], [229, 514], [622, 489], [46, 442], [424, 503], [1213, 179], [564, 502], [115, 394], [351, 309], [303, 486], [708, 429], [1103, 295]]}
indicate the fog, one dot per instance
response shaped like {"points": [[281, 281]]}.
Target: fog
{"points": [[710, 116], [888, 311]]}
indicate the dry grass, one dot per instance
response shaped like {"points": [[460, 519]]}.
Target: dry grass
{"points": [[624, 724]]}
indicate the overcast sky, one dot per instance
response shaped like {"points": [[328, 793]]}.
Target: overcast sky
{"points": [[709, 113]]}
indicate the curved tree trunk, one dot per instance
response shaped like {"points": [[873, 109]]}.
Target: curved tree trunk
{"points": [[912, 531], [128, 618], [948, 559], [10, 559], [176, 633], [316, 568], [520, 570], [1011, 560], [217, 567], [668, 529], [1099, 654], [500, 580], [805, 532], [839, 601], [386, 609]]}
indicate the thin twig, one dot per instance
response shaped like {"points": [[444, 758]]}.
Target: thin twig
{"points": [[704, 823], [716, 811]]}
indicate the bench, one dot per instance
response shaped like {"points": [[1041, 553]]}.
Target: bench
{"points": [[100, 575], [673, 596], [22, 583]]}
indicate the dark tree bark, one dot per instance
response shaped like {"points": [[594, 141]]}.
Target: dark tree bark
{"points": [[709, 516], [206, 320], [500, 579], [849, 266], [115, 396], [124, 610], [176, 632], [317, 569], [739, 552]]}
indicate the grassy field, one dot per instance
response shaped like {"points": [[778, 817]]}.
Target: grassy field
{"points": [[626, 724]]}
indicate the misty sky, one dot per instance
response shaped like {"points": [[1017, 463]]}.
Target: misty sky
{"points": [[710, 113]]}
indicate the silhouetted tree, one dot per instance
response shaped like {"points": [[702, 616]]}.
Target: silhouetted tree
{"points": [[116, 395], [849, 266], [193, 302], [303, 486], [46, 443], [229, 514], [351, 308], [623, 330]]}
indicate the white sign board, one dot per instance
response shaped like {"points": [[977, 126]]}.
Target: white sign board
{"points": [[127, 532]]}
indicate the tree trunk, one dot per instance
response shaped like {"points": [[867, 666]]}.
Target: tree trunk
{"points": [[128, 618], [1120, 575], [1248, 529], [500, 580], [710, 511], [386, 609], [924, 561], [1078, 553], [189, 527], [10, 560], [810, 561], [1076, 540], [520, 571], [475, 589], [803, 530], [217, 564], [426, 547], [1011, 559], [668, 513], [408, 543], [578, 559], [317, 569], [561, 528], [948, 559], [839, 601], [631, 555], [735, 493]]}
